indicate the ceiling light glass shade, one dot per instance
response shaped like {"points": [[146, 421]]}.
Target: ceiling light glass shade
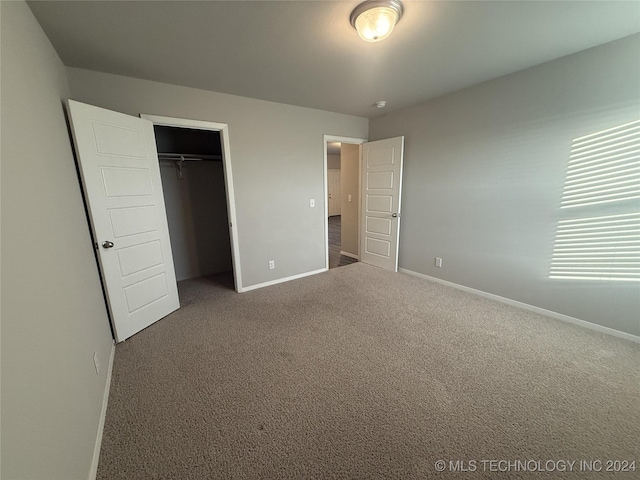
{"points": [[374, 20]]}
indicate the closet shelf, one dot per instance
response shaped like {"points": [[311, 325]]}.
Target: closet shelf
{"points": [[186, 157]]}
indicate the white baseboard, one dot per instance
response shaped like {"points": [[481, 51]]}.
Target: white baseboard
{"points": [[281, 280], [103, 415], [350, 255], [526, 306]]}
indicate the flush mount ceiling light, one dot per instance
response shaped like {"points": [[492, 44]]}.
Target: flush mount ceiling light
{"points": [[374, 19]]}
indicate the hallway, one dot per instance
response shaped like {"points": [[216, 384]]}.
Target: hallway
{"points": [[335, 258]]}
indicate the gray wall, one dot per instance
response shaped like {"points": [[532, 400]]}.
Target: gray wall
{"points": [[53, 313], [484, 174], [273, 186], [350, 185], [197, 215]]}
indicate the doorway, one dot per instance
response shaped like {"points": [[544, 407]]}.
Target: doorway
{"points": [[196, 179], [342, 192], [119, 168]]}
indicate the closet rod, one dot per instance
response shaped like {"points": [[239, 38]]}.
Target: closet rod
{"points": [[172, 157]]}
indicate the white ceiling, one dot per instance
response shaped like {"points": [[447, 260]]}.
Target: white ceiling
{"points": [[306, 53]]}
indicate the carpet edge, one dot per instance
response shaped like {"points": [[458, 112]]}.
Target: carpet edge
{"points": [[525, 306]]}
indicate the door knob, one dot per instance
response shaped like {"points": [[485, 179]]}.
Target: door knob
{"points": [[107, 244], [394, 215]]}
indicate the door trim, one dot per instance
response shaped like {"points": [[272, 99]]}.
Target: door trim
{"points": [[223, 128], [353, 141]]}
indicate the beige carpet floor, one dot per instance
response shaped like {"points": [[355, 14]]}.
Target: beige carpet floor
{"points": [[358, 373]]}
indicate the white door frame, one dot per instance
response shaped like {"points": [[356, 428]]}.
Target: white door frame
{"points": [[353, 141], [223, 128]]}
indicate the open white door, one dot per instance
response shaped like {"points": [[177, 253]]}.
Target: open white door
{"points": [[122, 187], [381, 191]]}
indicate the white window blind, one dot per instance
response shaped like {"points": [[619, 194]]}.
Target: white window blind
{"points": [[604, 168]]}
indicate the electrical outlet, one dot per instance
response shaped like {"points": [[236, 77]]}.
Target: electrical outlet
{"points": [[312, 203], [438, 262], [272, 264], [96, 363]]}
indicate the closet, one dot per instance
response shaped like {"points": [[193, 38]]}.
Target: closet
{"points": [[195, 198]]}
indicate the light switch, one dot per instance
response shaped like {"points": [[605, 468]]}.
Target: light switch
{"points": [[349, 197], [312, 203]]}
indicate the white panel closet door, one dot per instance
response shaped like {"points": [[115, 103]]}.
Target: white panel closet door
{"points": [[382, 188], [121, 179]]}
